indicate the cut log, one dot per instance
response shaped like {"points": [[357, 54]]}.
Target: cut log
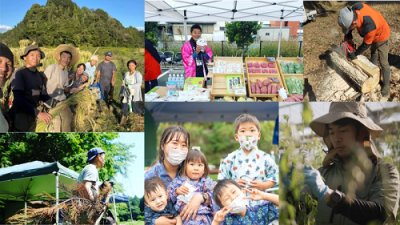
{"points": [[333, 88], [353, 72]]}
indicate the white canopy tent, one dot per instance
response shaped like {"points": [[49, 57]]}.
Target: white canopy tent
{"points": [[223, 11]]}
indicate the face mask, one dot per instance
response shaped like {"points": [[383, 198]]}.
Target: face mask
{"points": [[176, 156], [248, 142], [239, 204]]}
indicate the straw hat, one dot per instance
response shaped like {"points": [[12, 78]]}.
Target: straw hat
{"points": [[339, 110], [68, 48]]}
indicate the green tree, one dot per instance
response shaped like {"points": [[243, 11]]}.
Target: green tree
{"points": [[69, 149], [123, 210], [242, 33], [151, 31], [64, 22]]}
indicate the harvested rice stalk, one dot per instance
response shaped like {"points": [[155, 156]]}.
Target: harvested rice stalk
{"points": [[83, 100], [76, 210]]}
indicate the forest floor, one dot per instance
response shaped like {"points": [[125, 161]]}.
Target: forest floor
{"points": [[326, 32]]}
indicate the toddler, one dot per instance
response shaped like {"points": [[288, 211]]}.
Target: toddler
{"points": [[229, 195], [193, 180], [156, 200]]}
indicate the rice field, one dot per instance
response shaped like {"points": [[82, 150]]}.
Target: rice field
{"points": [[106, 121]]}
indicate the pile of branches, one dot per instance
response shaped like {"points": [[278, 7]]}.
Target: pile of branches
{"points": [[77, 209]]}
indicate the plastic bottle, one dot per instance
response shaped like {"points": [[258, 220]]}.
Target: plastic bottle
{"points": [[182, 81], [169, 77]]}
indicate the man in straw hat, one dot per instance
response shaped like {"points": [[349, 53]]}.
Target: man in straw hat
{"points": [[106, 76], [358, 186], [371, 25], [6, 69], [28, 87], [57, 84]]}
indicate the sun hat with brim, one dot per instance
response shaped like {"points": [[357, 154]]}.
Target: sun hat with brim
{"points": [[92, 153], [33, 48], [339, 110], [68, 48]]}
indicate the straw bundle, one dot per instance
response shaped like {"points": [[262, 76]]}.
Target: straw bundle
{"points": [[83, 100], [78, 209]]}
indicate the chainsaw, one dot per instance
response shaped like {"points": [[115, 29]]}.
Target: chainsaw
{"points": [[348, 46]]}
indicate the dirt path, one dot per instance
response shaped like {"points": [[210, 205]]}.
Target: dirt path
{"points": [[320, 35]]}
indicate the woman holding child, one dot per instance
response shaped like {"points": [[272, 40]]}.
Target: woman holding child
{"points": [[174, 146]]}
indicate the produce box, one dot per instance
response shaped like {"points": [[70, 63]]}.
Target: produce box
{"points": [[220, 82], [286, 75], [253, 77]]}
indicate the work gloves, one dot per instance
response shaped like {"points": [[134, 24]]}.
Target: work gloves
{"points": [[314, 180], [352, 55]]}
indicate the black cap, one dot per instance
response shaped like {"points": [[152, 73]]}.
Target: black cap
{"points": [[6, 52]]}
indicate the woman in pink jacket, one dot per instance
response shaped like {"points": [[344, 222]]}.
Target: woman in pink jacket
{"points": [[194, 60]]}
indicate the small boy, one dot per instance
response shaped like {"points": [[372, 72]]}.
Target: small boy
{"points": [[156, 200], [247, 165], [234, 210]]}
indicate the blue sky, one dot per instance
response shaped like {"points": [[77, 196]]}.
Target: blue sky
{"points": [[134, 184], [128, 12]]}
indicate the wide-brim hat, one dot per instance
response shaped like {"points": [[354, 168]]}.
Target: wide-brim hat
{"points": [[32, 48], [68, 48], [339, 110]]}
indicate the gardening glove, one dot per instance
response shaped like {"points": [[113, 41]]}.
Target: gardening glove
{"points": [[352, 56], [314, 180]]}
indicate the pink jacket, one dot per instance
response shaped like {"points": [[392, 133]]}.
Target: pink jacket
{"points": [[188, 62]]}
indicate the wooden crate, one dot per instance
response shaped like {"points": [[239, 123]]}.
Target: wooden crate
{"points": [[262, 76], [286, 75], [219, 79], [260, 60]]}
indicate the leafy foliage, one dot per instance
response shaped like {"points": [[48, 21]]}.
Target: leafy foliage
{"points": [[151, 31], [64, 22], [242, 32], [69, 149], [294, 211], [124, 213]]}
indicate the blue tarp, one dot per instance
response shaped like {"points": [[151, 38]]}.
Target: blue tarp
{"points": [[120, 198]]}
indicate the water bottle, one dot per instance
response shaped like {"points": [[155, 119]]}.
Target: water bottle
{"points": [[182, 80], [169, 77]]}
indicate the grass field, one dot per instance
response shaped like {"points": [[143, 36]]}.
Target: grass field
{"points": [[106, 121]]}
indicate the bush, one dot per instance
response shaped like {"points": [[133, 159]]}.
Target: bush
{"points": [[269, 49]]}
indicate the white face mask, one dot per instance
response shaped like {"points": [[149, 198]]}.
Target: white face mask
{"points": [[248, 142], [239, 204], [176, 156]]}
